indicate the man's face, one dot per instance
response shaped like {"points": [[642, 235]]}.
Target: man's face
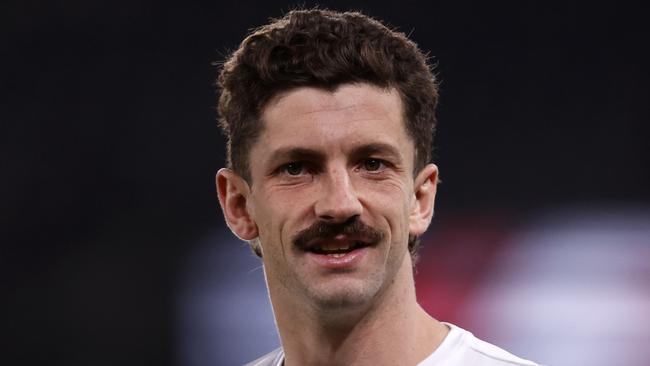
{"points": [[332, 193]]}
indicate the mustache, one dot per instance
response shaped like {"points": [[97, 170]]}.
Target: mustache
{"points": [[324, 230]]}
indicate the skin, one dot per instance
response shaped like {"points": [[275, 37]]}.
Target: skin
{"points": [[329, 156]]}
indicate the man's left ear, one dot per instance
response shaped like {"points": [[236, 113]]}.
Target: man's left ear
{"points": [[422, 206]]}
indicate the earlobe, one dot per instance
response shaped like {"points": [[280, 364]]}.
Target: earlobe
{"points": [[422, 208], [233, 192]]}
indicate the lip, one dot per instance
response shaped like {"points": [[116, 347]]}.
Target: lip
{"points": [[339, 238], [348, 261]]}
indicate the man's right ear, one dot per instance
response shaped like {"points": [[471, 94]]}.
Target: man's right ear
{"points": [[233, 194]]}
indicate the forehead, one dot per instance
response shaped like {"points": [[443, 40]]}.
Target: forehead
{"points": [[347, 98], [337, 120]]}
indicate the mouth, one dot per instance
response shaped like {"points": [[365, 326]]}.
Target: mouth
{"points": [[336, 249]]}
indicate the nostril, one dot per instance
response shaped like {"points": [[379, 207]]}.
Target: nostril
{"points": [[336, 220]]}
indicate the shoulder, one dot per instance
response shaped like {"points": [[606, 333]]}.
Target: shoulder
{"points": [[273, 358], [461, 347], [494, 355]]}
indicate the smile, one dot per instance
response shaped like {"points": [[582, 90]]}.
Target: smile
{"points": [[338, 255], [336, 250]]}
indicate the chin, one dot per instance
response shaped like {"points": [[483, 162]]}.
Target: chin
{"points": [[340, 296]]}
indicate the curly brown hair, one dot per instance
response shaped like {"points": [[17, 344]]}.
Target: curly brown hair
{"points": [[324, 49]]}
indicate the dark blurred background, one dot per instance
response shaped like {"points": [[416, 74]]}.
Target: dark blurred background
{"points": [[109, 146]]}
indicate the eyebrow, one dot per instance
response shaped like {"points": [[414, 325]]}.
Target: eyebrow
{"points": [[295, 154], [308, 154], [380, 148]]}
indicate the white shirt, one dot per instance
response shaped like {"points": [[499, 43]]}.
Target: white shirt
{"points": [[459, 348]]}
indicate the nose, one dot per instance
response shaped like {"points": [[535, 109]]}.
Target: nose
{"points": [[338, 199]]}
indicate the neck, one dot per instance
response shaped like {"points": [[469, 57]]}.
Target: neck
{"points": [[393, 330]]}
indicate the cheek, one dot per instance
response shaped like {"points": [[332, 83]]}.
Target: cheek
{"points": [[390, 199], [391, 184], [280, 214], [391, 191], [262, 213]]}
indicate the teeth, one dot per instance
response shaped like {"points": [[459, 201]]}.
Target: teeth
{"points": [[339, 251], [334, 249]]}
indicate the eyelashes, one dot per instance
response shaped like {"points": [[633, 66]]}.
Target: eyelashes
{"points": [[302, 168], [294, 168], [374, 165]]}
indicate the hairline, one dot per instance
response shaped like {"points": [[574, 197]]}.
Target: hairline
{"points": [[246, 172]]}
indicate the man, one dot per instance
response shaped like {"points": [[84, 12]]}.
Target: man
{"points": [[330, 118]]}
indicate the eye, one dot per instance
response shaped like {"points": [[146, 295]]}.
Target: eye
{"points": [[294, 168], [373, 165]]}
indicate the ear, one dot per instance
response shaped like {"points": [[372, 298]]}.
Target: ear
{"points": [[424, 190], [233, 194]]}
